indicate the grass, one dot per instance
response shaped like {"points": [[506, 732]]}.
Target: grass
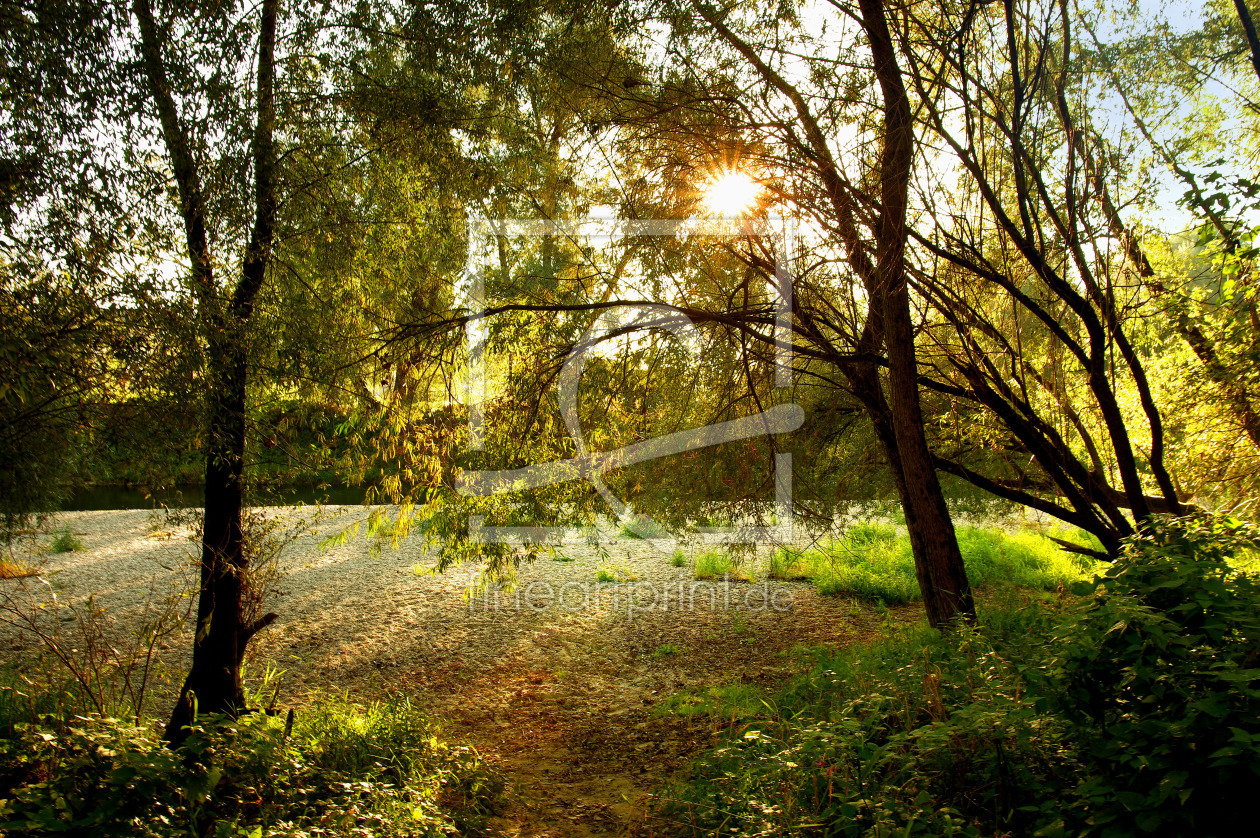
{"points": [[718, 564], [679, 559], [664, 651], [728, 703], [609, 571], [641, 528], [908, 735], [1054, 715], [873, 562], [67, 542]]}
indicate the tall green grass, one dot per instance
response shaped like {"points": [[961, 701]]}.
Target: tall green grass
{"points": [[918, 734], [873, 562]]}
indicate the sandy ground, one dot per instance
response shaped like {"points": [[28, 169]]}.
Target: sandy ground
{"points": [[557, 681]]}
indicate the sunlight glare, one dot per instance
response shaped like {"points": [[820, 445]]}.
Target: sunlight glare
{"points": [[731, 193]]}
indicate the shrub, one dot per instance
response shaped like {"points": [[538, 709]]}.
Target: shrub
{"points": [[340, 770], [1161, 677]]}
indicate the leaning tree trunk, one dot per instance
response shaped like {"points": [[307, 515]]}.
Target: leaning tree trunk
{"points": [[938, 561]]}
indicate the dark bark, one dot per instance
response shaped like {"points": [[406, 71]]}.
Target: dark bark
{"points": [[1249, 29], [222, 633], [942, 575]]}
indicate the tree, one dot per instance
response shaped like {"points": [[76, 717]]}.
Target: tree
{"points": [[874, 247], [214, 684], [1203, 138], [655, 116]]}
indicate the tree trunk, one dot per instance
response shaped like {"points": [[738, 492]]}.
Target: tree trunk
{"points": [[938, 561], [213, 684]]}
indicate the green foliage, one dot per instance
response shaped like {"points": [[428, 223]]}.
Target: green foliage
{"points": [[611, 571], [678, 559], [50, 338], [341, 770], [1161, 675], [1132, 712], [664, 651], [640, 528], [918, 735], [67, 542], [872, 561], [719, 564], [727, 703]]}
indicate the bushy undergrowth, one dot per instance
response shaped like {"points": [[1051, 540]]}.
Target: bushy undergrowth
{"points": [[338, 770], [873, 562], [1134, 711]]}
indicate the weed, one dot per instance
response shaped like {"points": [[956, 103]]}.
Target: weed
{"points": [[665, 650], [611, 571], [728, 703], [67, 542], [719, 564], [679, 559]]}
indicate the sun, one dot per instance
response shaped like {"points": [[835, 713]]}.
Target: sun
{"points": [[731, 193]]}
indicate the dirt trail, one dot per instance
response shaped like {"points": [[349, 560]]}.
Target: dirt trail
{"points": [[569, 705]]}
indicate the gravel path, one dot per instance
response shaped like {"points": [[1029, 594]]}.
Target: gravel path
{"points": [[557, 680]]}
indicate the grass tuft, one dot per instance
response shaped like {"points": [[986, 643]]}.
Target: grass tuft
{"points": [[664, 651], [718, 564], [728, 703], [67, 542], [614, 572]]}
